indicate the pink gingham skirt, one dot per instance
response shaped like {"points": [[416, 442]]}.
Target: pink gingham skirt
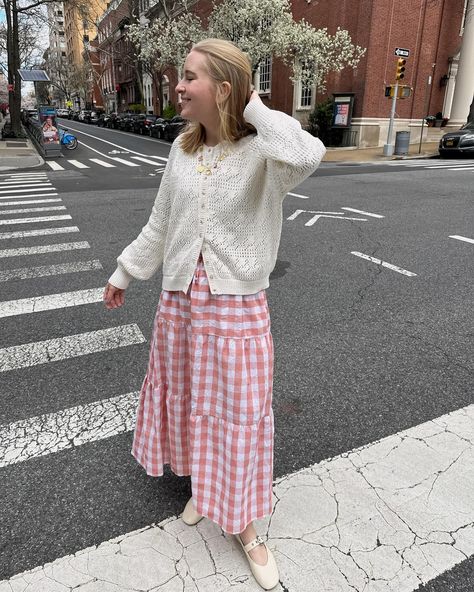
{"points": [[206, 402]]}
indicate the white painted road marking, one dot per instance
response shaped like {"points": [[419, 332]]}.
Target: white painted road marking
{"points": [[29, 188], [11, 308], [34, 220], [78, 164], [147, 161], [387, 516], [39, 232], [318, 215], [54, 165], [298, 195], [107, 165], [31, 210], [126, 162], [29, 201], [24, 273], [462, 238], [69, 428], [384, 263], [27, 195], [71, 346], [362, 212], [21, 251]]}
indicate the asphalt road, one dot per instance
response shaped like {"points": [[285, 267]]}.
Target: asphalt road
{"points": [[362, 350]]}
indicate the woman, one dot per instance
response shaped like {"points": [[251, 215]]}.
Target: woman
{"points": [[206, 402]]}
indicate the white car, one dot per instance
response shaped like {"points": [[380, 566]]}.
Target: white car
{"points": [[62, 112]]}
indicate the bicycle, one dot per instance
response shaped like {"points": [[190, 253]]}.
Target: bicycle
{"points": [[67, 139]]}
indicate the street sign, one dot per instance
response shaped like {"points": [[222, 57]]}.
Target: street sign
{"points": [[402, 53]]}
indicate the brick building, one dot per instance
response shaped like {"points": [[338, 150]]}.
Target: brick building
{"points": [[432, 31]]}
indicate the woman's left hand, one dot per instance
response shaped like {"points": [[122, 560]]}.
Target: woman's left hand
{"points": [[254, 96]]}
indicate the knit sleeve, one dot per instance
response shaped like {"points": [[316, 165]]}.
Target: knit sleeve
{"points": [[292, 153], [142, 258]]}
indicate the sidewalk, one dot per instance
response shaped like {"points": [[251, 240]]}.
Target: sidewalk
{"points": [[18, 153]]}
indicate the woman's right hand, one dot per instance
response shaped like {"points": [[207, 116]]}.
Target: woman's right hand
{"points": [[113, 297]]}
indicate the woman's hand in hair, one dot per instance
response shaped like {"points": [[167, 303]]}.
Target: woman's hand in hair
{"points": [[253, 95]]}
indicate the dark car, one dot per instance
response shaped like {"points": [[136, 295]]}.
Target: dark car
{"points": [[128, 122], [94, 117], [75, 116], [172, 128], [459, 142], [157, 129], [111, 120], [116, 122], [143, 123], [123, 121], [102, 120]]}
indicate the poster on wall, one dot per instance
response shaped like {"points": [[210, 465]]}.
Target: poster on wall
{"points": [[342, 110], [47, 117]]}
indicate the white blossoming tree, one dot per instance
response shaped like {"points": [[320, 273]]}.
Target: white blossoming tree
{"points": [[310, 53], [164, 43]]}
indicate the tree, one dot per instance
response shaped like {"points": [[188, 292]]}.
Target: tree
{"points": [[310, 53], [164, 43]]}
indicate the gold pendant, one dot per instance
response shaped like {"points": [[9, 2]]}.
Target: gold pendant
{"points": [[203, 169]]}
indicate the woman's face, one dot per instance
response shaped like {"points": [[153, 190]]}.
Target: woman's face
{"points": [[197, 91]]}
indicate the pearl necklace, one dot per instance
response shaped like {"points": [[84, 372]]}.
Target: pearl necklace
{"points": [[207, 169]]}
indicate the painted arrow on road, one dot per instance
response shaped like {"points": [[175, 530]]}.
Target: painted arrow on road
{"points": [[318, 215]]}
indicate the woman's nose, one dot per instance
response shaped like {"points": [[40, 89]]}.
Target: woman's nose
{"points": [[179, 87]]}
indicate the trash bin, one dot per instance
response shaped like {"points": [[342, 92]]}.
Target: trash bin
{"points": [[402, 143]]}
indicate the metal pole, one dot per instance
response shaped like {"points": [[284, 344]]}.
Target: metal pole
{"points": [[388, 148], [426, 106]]}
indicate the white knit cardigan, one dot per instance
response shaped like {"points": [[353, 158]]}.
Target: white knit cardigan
{"points": [[233, 216]]}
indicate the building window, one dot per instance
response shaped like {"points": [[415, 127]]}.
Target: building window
{"points": [[265, 75], [306, 95]]}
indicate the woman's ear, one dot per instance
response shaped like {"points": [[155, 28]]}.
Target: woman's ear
{"points": [[223, 91]]}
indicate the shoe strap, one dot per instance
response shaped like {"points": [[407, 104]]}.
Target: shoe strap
{"points": [[255, 543]]}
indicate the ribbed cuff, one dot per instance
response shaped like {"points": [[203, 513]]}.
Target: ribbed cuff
{"points": [[120, 278]]}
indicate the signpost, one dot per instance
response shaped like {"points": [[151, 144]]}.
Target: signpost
{"points": [[402, 53]]}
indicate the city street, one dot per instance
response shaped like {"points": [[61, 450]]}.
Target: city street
{"points": [[371, 307]]}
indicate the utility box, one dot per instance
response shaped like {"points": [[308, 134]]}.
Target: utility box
{"points": [[402, 143]]}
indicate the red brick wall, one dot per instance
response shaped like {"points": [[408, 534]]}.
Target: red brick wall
{"points": [[429, 28]]}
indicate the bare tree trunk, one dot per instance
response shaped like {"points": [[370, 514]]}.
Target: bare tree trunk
{"points": [[470, 117], [13, 50]]}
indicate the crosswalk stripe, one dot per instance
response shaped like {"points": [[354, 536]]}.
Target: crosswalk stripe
{"points": [[23, 183], [384, 264], [462, 238], [147, 161], [38, 232], [41, 249], [27, 195], [34, 220], [395, 513], [71, 346], [29, 201], [162, 158], [52, 432], [126, 162], [102, 163], [28, 188], [78, 164], [12, 308], [54, 165], [470, 168], [31, 210], [362, 212], [25, 273]]}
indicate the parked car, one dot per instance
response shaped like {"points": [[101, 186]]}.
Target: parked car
{"points": [[127, 122], [157, 128], [75, 116], [62, 112], [84, 115], [458, 142], [93, 117], [142, 124], [111, 121], [172, 128]]}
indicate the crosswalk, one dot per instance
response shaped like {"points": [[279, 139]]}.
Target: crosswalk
{"points": [[158, 162], [367, 513], [447, 164]]}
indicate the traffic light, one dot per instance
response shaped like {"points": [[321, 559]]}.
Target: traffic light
{"points": [[401, 68]]}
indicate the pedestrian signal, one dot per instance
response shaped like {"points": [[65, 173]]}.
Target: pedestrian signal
{"points": [[401, 68]]}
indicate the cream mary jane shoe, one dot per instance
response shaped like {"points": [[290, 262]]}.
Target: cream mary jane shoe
{"points": [[190, 516], [267, 575]]}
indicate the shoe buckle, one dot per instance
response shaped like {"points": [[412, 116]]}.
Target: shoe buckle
{"points": [[259, 540]]}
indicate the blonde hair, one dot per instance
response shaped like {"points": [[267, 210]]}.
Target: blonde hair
{"points": [[225, 63]]}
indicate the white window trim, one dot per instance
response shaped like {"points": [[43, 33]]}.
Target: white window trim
{"points": [[256, 83]]}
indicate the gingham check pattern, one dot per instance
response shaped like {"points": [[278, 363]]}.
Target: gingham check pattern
{"points": [[206, 402]]}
